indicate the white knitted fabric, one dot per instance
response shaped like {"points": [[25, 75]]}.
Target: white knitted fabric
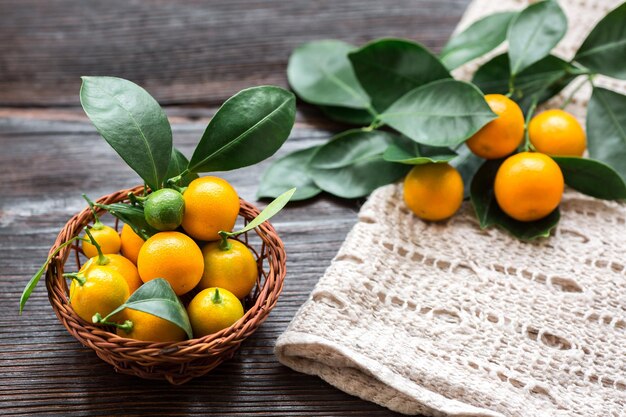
{"points": [[448, 319]]}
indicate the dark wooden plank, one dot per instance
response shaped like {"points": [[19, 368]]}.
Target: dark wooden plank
{"points": [[187, 51]]}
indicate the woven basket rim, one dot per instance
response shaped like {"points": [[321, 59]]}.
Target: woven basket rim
{"points": [[107, 343]]}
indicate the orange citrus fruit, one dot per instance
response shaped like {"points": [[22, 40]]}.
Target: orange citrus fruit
{"points": [[131, 243], [211, 205], [528, 186], [234, 269], [107, 238], [212, 310], [102, 291], [501, 136], [118, 263], [433, 191], [173, 256], [150, 328], [556, 132]]}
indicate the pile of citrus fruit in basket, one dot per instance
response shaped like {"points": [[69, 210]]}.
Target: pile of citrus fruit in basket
{"points": [[188, 251], [177, 270]]}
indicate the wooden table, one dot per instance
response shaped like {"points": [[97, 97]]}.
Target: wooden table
{"points": [[190, 55]]}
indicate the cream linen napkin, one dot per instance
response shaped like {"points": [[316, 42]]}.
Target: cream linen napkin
{"points": [[448, 319]]}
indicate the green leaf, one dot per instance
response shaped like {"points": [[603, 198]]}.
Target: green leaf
{"points": [[467, 163], [534, 32], [320, 73], [606, 128], [156, 297], [605, 48], [132, 216], [479, 38], [356, 117], [268, 212], [442, 113], [249, 127], [592, 177], [389, 68], [288, 172], [541, 81], [406, 151], [132, 122], [351, 165], [178, 164], [489, 213]]}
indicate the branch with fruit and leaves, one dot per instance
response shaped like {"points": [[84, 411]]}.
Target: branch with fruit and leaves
{"points": [[414, 116]]}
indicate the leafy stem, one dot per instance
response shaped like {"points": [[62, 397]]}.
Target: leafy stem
{"points": [[224, 243], [78, 277], [30, 286], [97, 224]]}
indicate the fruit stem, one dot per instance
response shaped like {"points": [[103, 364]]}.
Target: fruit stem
{"points": [[102, 260], [217, 298], [175, 180], [527, 145], [135, 199], [224, 243], [127, 326], [76, 276], [97, 224]]}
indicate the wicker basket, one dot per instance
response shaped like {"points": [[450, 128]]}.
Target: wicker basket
{"points": [[181, 361]]}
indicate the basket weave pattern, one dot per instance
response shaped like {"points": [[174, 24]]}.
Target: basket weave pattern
{"points": [[175, 362]]}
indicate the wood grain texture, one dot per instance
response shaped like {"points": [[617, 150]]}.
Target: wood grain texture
{"points": [[187, 53]]}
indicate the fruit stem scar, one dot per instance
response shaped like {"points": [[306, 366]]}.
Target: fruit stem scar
{"points": [[97, 224], [77, 277], [224, 243], [217, 298], [102, 260]]}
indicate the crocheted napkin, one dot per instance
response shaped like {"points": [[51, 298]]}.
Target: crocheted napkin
{"points": [[449, 319]]}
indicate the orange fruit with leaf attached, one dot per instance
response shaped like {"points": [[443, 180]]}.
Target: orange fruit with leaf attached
{"points": [[211, 205], [150, 328], [556, 132], [501, 136], [102, 290], [433, 191], [173, 256], [131, 243], [212, 310], [233, 268], [107, 238], [528, 186]]}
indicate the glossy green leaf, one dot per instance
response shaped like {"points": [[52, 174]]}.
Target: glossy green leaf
{"points": [[389, 68], [489, 213], [592, 177], [351, 165], [347, 115], [606, 128], [604, 50], [132, 216], [132, 122], [467, 163], [442, 113], [249, 127], [157, 297], [540, 81], [288, 172], [406, 151], [178, 164], [479, 38], [268, 212], [320, 73], [534, 32]]}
